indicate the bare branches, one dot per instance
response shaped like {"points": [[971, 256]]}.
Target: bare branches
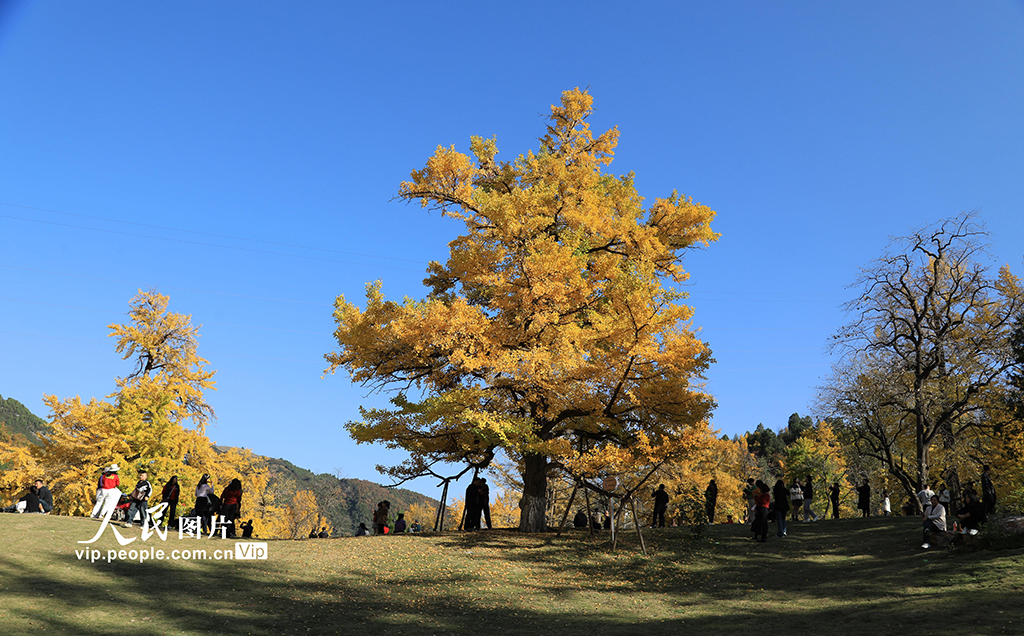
{"points": [[929, 341]]}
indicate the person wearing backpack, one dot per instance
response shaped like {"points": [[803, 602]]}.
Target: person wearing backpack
{"points": [[138, 498]]}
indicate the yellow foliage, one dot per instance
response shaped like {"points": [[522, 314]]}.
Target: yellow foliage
{"points": [[423, 514], [301, 516], [551, 319], [142, 428]]}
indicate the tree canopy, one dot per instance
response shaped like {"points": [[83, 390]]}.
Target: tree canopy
{"points": [[554, 319], [929, 353]]}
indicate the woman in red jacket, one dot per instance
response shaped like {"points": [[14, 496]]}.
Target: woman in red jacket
{"points": [[170, 495], [231, 504], [762, 499]]}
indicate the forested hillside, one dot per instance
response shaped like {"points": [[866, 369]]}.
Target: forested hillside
{"points": [[18, 420], [343, 503]]}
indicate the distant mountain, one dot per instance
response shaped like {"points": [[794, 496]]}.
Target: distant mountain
{"points": [[345, 502], [18, 420]]}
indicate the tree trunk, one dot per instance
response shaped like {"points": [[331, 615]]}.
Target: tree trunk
{"points": [[533, 506]]}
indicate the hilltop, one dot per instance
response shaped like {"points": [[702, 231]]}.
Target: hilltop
{"points": [[842, 578], [18, 420]]}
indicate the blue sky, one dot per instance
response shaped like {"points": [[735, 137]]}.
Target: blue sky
{"points": [[242, 158]]}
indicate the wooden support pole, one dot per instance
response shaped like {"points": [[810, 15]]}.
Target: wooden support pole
{"points": [[590, 513], [636, 522], [439, 519], [568, 507]]}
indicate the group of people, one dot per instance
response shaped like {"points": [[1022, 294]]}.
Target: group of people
{"points": [[478, 502], [781, 501], [969, 516], [37, 499], [382, 523], [598, 520], [227, 507]]}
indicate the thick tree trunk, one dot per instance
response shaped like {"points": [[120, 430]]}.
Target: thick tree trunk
{"points": [[533, 506]]}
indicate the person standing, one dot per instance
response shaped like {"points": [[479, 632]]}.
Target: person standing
{"points": [[781, 495], [796, 498], [485, 501], [231, 504], [204, 503], [45, 496], [925, 496], [660, 506], [833, 497], [380, 518], [748, 496], [473, 507], [109, 493], [808, 498], [864, 499], [137, 500], [711, 500], [762, 499], [169, 495], [988, 491], [945, 497]]}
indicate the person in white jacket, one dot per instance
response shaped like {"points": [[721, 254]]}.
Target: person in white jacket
{"points": [[109, 494], [934, 518]]}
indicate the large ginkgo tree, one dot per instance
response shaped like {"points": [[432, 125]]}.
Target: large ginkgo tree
{"points": [[556, 322]]}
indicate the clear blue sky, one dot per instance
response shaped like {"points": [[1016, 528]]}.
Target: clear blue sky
{"points": [[241, 157]]}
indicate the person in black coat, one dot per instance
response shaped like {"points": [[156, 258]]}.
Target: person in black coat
{"points": [[833, 497], [580, 520], [32, 503], [660, 506], [45, 497], [473, 507], [780, 495], [864, 499], [711, 500], [972, 513], [808, 489]]}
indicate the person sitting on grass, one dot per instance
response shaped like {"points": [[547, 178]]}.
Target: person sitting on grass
{"points": [[32, 502], [247, 529], [934, 519], [580, 520], [363, 531], [45, 497], [971, 514]]}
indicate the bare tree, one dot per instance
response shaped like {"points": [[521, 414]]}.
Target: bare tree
{"points": [[928, 343]]}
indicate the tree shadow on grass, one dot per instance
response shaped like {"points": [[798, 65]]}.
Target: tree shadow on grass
{"points": [[728, 588]]}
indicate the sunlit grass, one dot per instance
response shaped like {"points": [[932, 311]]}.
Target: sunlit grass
{"points": [[832, 577]]}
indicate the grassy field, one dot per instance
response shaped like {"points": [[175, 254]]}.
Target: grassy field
{"points": [[833, 577]]}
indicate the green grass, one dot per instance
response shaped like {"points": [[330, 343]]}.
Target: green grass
{"points": [[833, 577]]}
